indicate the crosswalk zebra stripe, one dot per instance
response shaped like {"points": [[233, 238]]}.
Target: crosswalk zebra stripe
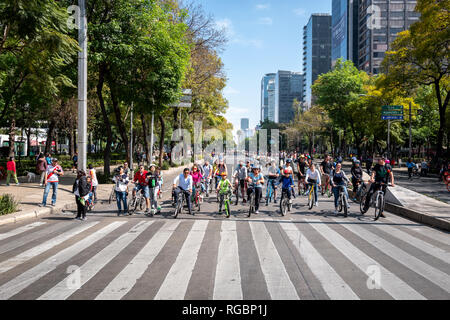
{"points": [[277, 279], [35, 251], [227, 284], [20, 230], [335, 287], [418, 243], [128, 277], [436, 276], [87, 271], [176, 282], [390, 283], [22, 281]]}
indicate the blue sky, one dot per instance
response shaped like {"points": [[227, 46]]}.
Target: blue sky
{"points": [[264, 36]]}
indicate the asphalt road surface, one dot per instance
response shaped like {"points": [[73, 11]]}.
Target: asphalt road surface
{"points": [[308, 254]]}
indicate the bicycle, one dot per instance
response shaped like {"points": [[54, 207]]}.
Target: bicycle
{"points": [[327, 187], [302, 187], [112, 196], [252, 203], [197, 199], [311, 195], [180, 203], [343, 202], [285, 203], [225, 201], [138, 201], [377, 199], [360, 190]]}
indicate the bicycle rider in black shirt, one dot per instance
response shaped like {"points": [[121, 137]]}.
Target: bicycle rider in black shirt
{"points": [[380, 174]]}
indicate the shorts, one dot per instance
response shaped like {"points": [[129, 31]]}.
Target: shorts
{"points": [[242, 183], [325, 177], [146, 190], [299, 176]]}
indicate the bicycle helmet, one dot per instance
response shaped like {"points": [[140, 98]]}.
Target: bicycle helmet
{"points": [[223, 174], [388, 161], [288, 161], [357, 162], [286, 171]]}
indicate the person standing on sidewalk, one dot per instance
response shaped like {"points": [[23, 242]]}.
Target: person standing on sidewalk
{"points": [[121, 180], [11, 171], [48, 158], [81, 191], [410, 165], [75, 162], [41, 168], [93, 175], [54, 171]]}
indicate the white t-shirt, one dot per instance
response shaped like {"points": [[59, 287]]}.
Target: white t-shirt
{"points": [[94, 177], [51, 173]]}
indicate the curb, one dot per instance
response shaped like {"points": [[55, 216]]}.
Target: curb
{"points": [[415, 216]]}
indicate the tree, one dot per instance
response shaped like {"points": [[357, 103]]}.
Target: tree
{"points": [[421, 55]]}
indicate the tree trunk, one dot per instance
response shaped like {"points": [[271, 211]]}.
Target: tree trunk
{"points": [[71, 144], [28, 133], [161, 140], [48, 143], [107, 152], [119, 120], [145, 132]]}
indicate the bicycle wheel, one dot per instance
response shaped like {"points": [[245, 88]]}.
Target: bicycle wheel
{"points": [[227, 208], [178, 208], [362, 203], [251, 205], [198, 203], [379, 206], [237, 194], [310, 198], [340, 206], [111, 196], [345, 204], [141, 203]]}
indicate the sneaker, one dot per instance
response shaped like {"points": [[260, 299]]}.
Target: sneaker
{"points": [[290, 201], [382, 215], [119, 213], [40, 184], [257, 212], [84, 219], [316, 204], [77, 218], [7, 184], [275, 201], [146, 211], [41, 205], [336, 212], [17, 184], [53, 205]]}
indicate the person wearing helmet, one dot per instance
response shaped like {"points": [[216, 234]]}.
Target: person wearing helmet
{"points": [[240, 174], [287, 184], [221, 168], [274, 174], [288, 166], [223, 188], [255, 182], [357, 175], [301, 172], [197, 178]]}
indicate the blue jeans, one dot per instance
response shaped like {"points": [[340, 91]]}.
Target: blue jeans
{"points": [[121, 197], [54, 186], [336, 194]]}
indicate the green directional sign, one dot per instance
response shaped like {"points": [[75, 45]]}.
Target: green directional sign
{"points": [[392, 108], [392, 112]]}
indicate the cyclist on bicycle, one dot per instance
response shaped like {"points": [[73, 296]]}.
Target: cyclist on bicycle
{"points": [[274, 175], [287, 183], [224, 188], [140, 178], [221, 168], [326, 168], [357, 176], [240, 174], [183, 185], [380, 174], [301, 166], [208, 171], [255, 182], [152, 180], [313, 179], [339, 180], [196, 179]]}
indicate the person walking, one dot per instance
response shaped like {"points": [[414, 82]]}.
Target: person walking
{"points": [[121, 180], [41, 168], [81, 190], [410, 165], [92, 173], [75, 162], [11, 171], [54, 171], [48, 158]]}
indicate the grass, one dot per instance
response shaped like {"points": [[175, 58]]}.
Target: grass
{"points": [[8, 204]]}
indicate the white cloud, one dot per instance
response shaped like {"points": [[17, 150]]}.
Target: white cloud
{"points": [[230, 91], [227, 26], [266, 21], [262, 6], [300, 12]]}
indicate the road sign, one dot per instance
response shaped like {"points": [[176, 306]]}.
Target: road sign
{"points": [[390, 108], [392, 118], [185, 100], [393, 113]]}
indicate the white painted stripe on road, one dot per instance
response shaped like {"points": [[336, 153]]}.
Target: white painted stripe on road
{"points": [[434, 275], [389, 282], [335, 287], [277, 279], [41, 248], [227, 284], [20, 230], [128, 277], [30, 276], [416, 242], [87, 271], [177, 280]]}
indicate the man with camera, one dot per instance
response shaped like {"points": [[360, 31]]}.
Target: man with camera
{"points": [[54, 171]]}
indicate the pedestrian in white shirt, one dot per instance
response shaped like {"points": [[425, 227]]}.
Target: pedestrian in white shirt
{"points": [[93, 175], [121, 180], [54, 171]]}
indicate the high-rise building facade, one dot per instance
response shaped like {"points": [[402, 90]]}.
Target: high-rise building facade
{"points": [[266, 109], [379, 23], [271, 100], [316, 51], [245, 124], [344, 31], [288, 88]]}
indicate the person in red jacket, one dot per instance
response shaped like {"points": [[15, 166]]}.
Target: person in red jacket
{"points": [[11, 171]]}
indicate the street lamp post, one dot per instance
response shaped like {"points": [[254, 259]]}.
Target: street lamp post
{"points": [[82, 88], [410, 130]]}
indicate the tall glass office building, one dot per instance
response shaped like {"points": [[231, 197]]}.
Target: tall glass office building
{"points": [[288, 88], [266, 109], [316, 51]]}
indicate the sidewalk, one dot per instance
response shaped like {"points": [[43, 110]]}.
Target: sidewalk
{"points": [[424, 200], [30, 195]]}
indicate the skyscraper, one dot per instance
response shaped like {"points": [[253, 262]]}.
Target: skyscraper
{"points": [[266, 109], [344, 32], [245, 124], [316, 51], [288, 88], [379, 23]]}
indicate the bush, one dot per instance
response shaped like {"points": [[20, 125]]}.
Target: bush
{"points": [[165, 165], [104, 179], [8, 204]]}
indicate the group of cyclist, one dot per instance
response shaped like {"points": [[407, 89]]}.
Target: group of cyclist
{"points": [[248, 179]]}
